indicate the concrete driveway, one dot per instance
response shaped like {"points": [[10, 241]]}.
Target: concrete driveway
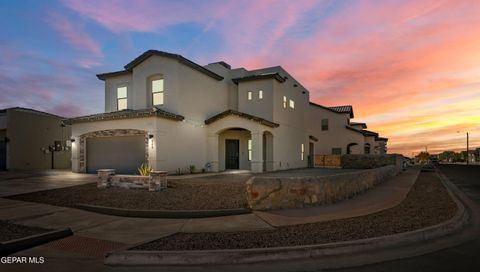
{"points": [[20, 182]]}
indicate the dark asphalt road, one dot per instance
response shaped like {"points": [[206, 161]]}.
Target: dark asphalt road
{"points": [[465, 257]]}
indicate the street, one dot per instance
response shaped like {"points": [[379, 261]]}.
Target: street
{"points": [[465, 257]]}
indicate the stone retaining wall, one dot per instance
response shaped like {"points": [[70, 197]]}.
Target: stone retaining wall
{"points": [[358, 161], [265, 193]]}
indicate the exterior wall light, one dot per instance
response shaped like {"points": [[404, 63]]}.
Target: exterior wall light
{"points": [[150, 136], [72, 140]]}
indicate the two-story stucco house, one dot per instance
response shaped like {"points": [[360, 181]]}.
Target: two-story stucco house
{"points": [[171, 112]]}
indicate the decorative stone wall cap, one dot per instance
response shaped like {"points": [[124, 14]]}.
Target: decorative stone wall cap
{"points": [[106, 170], [158, 173]]}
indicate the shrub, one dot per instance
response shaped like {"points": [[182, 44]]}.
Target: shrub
{"points": [[144, 169]]}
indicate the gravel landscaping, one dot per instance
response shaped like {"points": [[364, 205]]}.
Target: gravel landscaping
{"points": [[207, 193], [428, 203], [11, 231]]}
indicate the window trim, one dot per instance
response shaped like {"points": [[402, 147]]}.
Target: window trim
{"points": [[302, 152], [249, 148], [324, 127], [122, 98], [150, 93]]}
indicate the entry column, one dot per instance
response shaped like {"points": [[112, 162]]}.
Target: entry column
{"points": [[212, 152], [256, 165]]}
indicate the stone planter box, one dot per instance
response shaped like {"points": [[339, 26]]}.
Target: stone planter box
{"points": [[155, 182]]}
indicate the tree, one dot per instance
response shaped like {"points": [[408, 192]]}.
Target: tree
{"points": [[423, 156]]}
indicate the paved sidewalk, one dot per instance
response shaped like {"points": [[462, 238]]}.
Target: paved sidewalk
{"points": [[13, 183], [385, 196]]}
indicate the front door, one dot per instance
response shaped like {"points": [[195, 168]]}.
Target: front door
{"points": [[232, 159]]}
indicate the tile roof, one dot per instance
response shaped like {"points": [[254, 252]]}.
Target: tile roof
{"points": [[276, 76], [242, 115], [364, 125], [343, 109], [30, 111], [129, 67], [369, 133], [381, 139], [125, 114]]}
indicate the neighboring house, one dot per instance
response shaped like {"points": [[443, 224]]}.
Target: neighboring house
{"points": [[172, 113], [31, 139]]}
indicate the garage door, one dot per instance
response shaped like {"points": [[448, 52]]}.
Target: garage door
{"points": [[124, 153]]}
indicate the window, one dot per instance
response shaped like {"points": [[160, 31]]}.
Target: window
{"points": [[292, 104], [249, 95], [324, 124], [284, 102], [121, 98], [260, 94], [249, 150], [336, 151], [157, 92], [302, 153]]}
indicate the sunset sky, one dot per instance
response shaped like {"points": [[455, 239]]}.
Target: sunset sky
{"points": [[411, 69]]}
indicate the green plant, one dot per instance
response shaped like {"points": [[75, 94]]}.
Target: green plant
{"points": [[144, 169], [191, 169]]}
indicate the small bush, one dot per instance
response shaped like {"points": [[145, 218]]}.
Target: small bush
{"points": [[144, 169]]}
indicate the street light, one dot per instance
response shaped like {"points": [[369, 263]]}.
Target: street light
{"points": [[467, 146]]}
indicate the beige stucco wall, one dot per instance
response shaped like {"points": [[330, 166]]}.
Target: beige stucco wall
{"points": [[337, 136], [29, 136]]}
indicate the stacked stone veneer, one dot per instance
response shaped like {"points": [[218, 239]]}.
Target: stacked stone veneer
{"points": [[155, 182], [106, 133], [264, 193], [371, 161]]}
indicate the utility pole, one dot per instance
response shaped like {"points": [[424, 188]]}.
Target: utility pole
{"points": [[468, 155]]}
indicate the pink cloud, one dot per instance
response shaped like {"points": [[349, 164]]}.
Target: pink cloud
{"points": [[75, 36]]}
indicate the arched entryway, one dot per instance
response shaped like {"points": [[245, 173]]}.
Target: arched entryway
{"points": [[350, 148], [367, 148], [121, 149], [234, 149]]}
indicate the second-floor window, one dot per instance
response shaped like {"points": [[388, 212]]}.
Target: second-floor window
{"points": [[122, 98], [284, 102], [324, 124], [157, 91], [249, 95], [292, 104], [260, 94], [302, 152]]}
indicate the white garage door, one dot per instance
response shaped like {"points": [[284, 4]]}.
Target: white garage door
{"points": [[123, 153]]}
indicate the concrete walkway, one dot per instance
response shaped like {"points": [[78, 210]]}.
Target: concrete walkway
{"points": [[14, 183]]}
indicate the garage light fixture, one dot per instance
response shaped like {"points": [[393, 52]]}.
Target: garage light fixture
{"points": [[150, 136], [72, 140]]}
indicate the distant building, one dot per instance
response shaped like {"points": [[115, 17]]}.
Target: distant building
{"points": [[31, 139]]}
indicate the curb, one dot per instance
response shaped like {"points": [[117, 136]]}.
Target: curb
{"points": [[172, 214], [16, 245], [257, 255]]}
